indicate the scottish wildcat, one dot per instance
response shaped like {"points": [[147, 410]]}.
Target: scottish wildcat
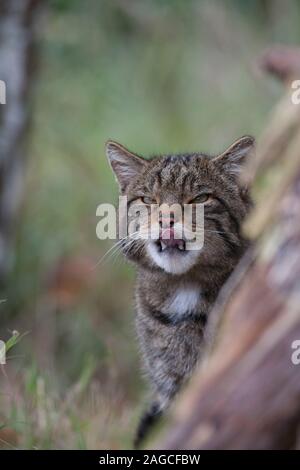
{"points": [[176, 288]]}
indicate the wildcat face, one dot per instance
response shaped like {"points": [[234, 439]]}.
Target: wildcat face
{"points": [[184, 179]]}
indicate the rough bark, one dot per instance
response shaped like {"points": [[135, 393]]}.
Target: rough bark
{"points": [[246, 395], [17, 28]]}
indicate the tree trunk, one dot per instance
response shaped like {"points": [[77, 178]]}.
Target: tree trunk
{"points": [[17, 27], [246, 395]]}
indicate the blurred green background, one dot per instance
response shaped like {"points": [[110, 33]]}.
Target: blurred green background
{"points": [[158, 76]]}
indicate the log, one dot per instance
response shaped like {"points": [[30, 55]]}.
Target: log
{"points": [[246, 393]]}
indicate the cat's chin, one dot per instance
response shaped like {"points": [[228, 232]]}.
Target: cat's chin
{"points": [[172, 260]]}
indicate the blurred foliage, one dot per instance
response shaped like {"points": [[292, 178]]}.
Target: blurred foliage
{"points": [[158, 76]]}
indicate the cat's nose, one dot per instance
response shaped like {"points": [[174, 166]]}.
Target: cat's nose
{"points": [[166, 222]]}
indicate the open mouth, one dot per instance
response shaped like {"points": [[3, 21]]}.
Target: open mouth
{"points": [[171, 245]]}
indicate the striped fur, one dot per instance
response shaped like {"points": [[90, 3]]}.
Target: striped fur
{"points": [[170, 316]]}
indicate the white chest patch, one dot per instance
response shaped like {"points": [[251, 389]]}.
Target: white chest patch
{"points": [[183, 302]]}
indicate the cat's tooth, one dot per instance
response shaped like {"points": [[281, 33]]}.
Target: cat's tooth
{"points": [[163, 246], [181, 246]]}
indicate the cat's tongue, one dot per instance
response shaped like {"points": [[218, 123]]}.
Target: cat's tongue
{"points": [[168, 240]]}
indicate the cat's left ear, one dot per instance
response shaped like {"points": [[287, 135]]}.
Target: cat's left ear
{"points": [[233, 159], [126, 165]]}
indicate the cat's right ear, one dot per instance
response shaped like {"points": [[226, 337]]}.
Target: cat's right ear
{"points": [[234, 158], [125, 164]]}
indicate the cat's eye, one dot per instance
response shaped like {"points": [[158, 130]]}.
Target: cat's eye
{"points": [[148, 200], [201, 199]]}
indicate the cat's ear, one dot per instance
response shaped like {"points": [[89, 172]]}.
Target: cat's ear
{"points": [[125, 164], [233, 159]]}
